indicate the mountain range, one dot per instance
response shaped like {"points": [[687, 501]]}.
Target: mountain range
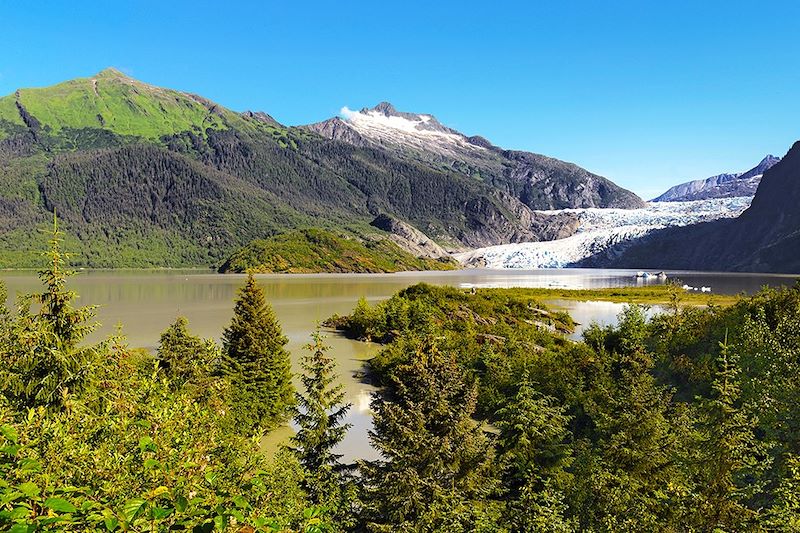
{"points": [[538, 181], [146, 176], [727, 185], [764, 238]]}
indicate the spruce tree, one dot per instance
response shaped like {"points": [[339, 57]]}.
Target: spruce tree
{"points": [[256, 362], [627, 474], [319, 414], [438, 468], [732, 459], [535, 453], [320, 410], [43, 358], [183, 356]]}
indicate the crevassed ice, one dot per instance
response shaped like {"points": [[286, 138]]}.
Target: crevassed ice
{"points": [[603, 231]]}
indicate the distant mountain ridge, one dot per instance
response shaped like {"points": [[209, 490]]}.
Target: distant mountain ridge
{"points": [[146, 176], [765, 238], [720, 186], [538, 181]]}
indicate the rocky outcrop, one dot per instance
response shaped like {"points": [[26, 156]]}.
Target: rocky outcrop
{"points": [[260, 116], [338, 129], [409, 238]]}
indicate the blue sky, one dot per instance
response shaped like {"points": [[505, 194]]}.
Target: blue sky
{"points": [[647, 93]]}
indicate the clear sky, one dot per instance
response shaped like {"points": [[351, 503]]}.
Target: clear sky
{"points": [[648, 93]]}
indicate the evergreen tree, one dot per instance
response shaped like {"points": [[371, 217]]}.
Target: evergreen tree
{"points": [[320, 410], [255, 360], [437, 474], [319, 414], [627, 467], [183, 356], [785, 512], [68, 324], [535, 452], [42, 356], [731, 457]]}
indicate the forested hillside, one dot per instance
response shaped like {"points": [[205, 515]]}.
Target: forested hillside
{"points": [[146, 176], [313, 250]]}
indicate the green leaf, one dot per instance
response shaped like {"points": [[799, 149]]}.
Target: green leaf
{"points": [[132, 508], [19, 512], [9, 433], [29, 489], [160, 513], [151, 463], [10, 496], [146, 444], [181, 503], [21, 528], [111, 523], [59, 504], [30, 465], [240, 502]]}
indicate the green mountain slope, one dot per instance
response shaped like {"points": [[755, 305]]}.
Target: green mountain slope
{"points": [[114, 102], [146, 176], [316, 250]]}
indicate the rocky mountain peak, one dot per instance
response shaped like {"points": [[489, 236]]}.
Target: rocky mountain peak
{"points": [[393, 118], [767, 163], [720, 186], [384, 108]]}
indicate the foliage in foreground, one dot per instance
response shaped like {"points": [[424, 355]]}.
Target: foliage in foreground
{"points": [[685, 422], [120, 440]]}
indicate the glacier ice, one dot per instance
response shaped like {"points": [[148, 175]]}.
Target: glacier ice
{"points": [[603, 231]]}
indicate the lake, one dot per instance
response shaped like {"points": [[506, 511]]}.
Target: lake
{"points": [[146, 302]]}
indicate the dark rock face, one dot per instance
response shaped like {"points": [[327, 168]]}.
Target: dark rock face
{"points": [[489, 225], [765, 238], [260, 116], [337, 129], [720, 186], [542, 182]]}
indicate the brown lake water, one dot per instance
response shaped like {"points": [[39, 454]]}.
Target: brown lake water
{"points": [[146, 302]]}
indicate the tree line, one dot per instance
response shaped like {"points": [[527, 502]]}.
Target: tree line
{"points": [[487, 419]]}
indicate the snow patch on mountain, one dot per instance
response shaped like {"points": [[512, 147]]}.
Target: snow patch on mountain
{"points": [[603, 231], [385, 125], [726, 185]]}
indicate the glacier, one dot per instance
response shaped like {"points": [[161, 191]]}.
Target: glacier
{"points": [[602, 231]]}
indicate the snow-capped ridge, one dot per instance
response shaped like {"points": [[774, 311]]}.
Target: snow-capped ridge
{"points": [[726, 185], [386, 117]]}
